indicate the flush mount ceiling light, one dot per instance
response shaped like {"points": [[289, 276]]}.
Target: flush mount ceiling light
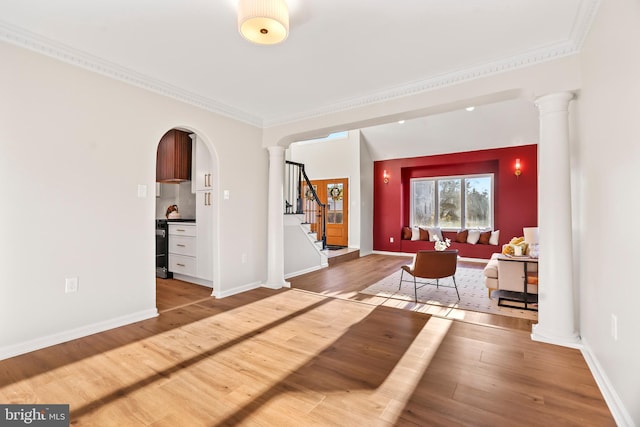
{"points": [[263, 21]]}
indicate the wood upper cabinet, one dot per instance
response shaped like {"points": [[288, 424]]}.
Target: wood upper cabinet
{"points": [[173, 162]]}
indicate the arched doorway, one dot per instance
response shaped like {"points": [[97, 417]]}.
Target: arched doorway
{"points": [[186, 209]]}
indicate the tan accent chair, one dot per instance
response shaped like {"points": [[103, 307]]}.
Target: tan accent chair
{"points": [[432, 265]]}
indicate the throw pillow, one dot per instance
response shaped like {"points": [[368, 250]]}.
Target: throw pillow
{"points": [[473, 237], [461, 236], [415, 233], [484, 237], [406, 233], [495, 237], [433, 232], [424, 234]]}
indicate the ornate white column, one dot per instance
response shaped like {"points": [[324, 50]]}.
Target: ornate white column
{"points": [[556, 318], [275, 220]]}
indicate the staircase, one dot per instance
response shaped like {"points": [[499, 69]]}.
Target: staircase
{"points": [[301, 199], [304, 210]]}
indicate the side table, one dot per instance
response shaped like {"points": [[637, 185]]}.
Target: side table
{"points": [[522, 300]]}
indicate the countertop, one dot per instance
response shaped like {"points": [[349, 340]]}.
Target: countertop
{"points": [[176, 220]]}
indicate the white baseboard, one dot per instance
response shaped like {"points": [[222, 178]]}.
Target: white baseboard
{"points": [[237, 290], [72, 334], [619, 412], [191, 279], [393, 253]]}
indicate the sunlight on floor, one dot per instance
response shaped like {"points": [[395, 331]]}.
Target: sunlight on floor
{"points": [[413, 365], [264, 360]]}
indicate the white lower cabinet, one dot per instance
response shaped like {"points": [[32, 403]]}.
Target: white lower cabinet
{"points": [[190, 244], [183, 249], [183, 264]]}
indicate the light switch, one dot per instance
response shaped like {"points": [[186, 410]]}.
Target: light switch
{"points": [[142, 191], [227, 194], [71, 285]]}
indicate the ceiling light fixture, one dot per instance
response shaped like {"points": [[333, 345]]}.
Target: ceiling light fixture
{"points": [[401, 122], [470, 108], [263, 21]]}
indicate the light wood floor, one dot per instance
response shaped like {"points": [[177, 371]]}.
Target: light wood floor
{"points": [[298, 357], [346, 281]]}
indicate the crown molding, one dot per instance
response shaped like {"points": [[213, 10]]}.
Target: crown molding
{"points": [[444, 80], [34, 42]]}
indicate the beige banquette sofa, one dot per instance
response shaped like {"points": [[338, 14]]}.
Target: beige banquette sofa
{"points": [[509, 275]]}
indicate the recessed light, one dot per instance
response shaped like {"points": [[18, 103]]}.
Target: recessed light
{"points": [[470, 108], [401, 122]]}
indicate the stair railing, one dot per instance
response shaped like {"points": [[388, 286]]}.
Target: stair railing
{"points": [[301, 198]]}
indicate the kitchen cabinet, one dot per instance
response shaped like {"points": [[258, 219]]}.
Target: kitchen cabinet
{"points": [[183, 249], [190, 249], [173, 159], [201, 177], [204, 216], [202, 186]]}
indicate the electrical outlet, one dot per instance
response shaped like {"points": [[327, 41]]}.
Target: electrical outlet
{"points": [[70, 285], [614, 327], [244, 258], [390, 239]]}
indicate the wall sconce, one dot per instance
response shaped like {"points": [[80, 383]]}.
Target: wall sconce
{"points": [[385, 177], [517, 171]]}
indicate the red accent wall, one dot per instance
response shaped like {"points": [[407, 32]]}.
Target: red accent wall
{"points": [[516, 198]]}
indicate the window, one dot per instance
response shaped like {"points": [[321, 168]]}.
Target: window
{"points": [[452, 202]]}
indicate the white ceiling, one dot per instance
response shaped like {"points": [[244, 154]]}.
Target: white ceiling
{"points": [[339, 53], [504, 124]]}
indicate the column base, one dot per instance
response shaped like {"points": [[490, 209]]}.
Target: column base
{"points": [[540, 335], [276, 285]]}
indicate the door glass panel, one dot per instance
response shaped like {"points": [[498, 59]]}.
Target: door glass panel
{"points": [[310, 206], [335, 200]]}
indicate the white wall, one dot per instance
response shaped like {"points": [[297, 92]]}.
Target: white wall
{"points": [[609, 135], [335, 158], [366, 199], [74, 148], [301, 254]]}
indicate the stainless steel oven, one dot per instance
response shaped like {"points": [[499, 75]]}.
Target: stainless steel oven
{"points": [[162, 249]]}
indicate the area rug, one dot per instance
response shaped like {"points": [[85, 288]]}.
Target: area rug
{"points": [[473, 293]]}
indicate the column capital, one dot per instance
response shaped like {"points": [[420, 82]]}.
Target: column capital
{"points": [[275, 149], [554, 102]]}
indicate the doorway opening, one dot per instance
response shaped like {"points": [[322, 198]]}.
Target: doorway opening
{"points": [[187, 208], [334, 193]]}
